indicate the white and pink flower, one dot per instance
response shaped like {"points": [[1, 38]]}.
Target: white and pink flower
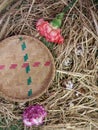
{"points": [[34, 115], [49, 32]]}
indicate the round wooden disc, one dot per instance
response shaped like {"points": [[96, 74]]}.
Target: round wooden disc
{"points": [[26, 68]]}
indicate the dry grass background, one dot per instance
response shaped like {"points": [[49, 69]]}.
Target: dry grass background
{"points": [[76, 61]]}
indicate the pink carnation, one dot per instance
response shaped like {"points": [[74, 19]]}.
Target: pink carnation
{"points": [[34, 115], [49, 32]]}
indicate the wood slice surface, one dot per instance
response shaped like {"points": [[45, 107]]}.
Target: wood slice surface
{"points": [[26, 68]]}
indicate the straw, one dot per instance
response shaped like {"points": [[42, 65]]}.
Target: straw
{"points": [[73, 108]]}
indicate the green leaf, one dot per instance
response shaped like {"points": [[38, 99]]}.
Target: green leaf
{"points": [[56, 23], [13, 127], [48, 44], [60, 16], [58, 20]]}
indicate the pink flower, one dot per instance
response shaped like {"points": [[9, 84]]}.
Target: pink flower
{"points": [[49, 32], [34, 115]]}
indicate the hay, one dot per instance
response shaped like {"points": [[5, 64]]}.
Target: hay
{"points": [[76, 107], [4, 4]]}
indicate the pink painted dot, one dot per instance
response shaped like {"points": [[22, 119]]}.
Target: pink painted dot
{"points": [[13, 66], [25, 65], [2, 67], [36, 64], [47, 63]]}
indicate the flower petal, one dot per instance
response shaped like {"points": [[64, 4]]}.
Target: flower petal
{"points": [[49, 32], [34, 115], [27, 123]]}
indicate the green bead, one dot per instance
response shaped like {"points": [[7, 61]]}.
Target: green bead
{"points": [[20, 38], [27, 69], [30, 92], [29, 81], [26, 57], [23, 46]]}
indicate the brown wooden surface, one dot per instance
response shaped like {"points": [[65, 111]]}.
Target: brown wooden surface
{"points": [[13, 82]]}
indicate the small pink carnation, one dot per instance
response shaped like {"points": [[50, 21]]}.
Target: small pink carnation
{"points": [[49, 32], [34, 115]]}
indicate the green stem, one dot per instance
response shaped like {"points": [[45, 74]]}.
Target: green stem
{"points": [[57, 22], [67, 8]]}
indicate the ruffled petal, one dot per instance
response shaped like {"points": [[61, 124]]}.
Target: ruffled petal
{"points": [[51, 34], [34, 115]]}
